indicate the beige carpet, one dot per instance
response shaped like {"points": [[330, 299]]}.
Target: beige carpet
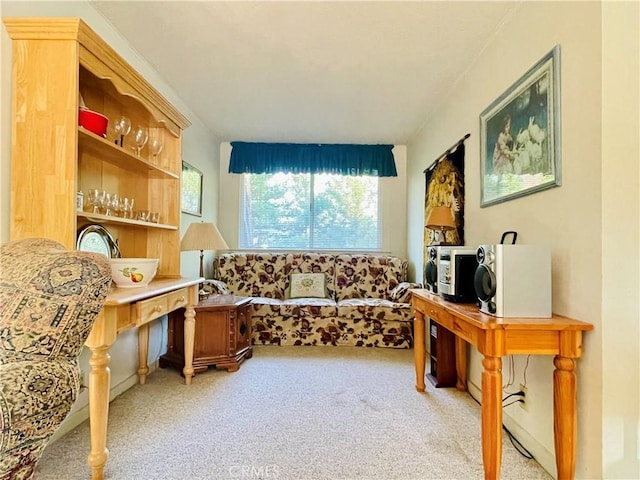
{"points": [[290, 413]]}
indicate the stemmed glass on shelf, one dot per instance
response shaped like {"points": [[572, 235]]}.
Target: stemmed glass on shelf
{"points": [[140, 137], [93, 200], [156, 142], [126, 207], [122, 127]]}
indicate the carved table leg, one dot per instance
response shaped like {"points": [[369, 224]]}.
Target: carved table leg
{"points": [[143, 353], [99, 379], [491, 416], [461, 364], [419, 349], [564, 416], [189, 337]]}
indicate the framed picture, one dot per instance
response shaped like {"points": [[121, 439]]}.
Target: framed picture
{"points": [[191, 190], [520, 136]]}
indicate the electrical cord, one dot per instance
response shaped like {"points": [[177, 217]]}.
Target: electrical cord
{"points": [[517, 445], [511, 374], [512, 402], [515, 394], [524, 374]]}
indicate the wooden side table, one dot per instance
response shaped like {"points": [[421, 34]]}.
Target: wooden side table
{"points": [[222, 337]]}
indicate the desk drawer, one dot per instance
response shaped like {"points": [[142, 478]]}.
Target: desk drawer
{"points": [[177, 299], [440, 315], [147, 310], [465, 331]]}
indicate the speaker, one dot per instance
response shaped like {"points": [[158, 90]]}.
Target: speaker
{"points": [[514, 280]]}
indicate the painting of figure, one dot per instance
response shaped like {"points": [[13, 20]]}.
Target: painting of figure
{"points": [[520, 136]]}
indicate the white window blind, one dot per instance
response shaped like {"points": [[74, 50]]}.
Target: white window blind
{"points": [[309, 211]]}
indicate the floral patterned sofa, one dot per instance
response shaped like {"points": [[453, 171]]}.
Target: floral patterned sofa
{"points": [[365, 299], [49, 300]]}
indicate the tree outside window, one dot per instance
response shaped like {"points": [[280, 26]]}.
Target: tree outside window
{"points": [[310, 211]]}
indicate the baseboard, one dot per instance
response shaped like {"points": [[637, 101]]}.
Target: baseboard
{"points": [[82, 414], [542, 455]]}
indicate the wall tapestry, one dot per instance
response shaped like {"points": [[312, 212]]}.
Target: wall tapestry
{"points": [[445, 187]]}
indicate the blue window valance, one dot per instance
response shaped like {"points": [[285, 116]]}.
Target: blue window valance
{"points": [[341, 159]]}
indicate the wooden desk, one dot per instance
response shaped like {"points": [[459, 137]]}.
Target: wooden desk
{"points": [[127, 308], [496, 337]]}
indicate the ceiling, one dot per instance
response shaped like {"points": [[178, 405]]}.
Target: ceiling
{"points": [[309, 71]]}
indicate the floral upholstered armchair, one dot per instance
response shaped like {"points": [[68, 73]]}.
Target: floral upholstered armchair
{"points": [[49, 300]]}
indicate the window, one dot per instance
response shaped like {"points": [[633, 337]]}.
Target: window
{"points": [[309, 211]]}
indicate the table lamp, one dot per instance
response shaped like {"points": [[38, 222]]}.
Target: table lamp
{"points": [[440, 219], [202, 236]]}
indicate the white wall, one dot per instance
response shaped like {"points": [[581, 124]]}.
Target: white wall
{"points": [[393, 201], [620, 240], [199, 148], [591, 222]]}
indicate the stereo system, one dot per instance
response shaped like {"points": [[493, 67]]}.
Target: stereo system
{"points": [[456, 270], [514, 280]]}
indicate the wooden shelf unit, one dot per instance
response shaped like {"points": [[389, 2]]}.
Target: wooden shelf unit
{"points": [[55, 60], [442, 356]]}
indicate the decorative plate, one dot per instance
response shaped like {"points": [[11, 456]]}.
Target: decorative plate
{"points": [[97, 239]]}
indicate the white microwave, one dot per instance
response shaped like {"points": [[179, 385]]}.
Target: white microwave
{"points": [[514, 280]]}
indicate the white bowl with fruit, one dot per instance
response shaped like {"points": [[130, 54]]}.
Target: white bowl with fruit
{"points": [[133, 272]]}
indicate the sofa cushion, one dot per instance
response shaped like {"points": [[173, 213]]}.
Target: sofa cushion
{"points": [[309, 307], [264, 306], [253, 274], [368, 276], [374, 308], [294, 307]]}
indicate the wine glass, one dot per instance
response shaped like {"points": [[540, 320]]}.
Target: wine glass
{"points": [[122, 128], [140, 137], [126, 206], [114, 205], [93, 202], [156, 142]]}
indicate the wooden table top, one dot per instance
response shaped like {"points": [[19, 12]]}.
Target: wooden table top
{"points": [[470, 313]]}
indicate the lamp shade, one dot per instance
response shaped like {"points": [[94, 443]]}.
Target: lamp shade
{"points": [[203, 236], [440, 218]]}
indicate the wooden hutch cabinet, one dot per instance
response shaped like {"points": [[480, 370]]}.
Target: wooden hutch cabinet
{"points": [[55, 60], [56, 63]]}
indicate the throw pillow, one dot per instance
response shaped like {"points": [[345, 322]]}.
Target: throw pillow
{"points": [[307, 285]]}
